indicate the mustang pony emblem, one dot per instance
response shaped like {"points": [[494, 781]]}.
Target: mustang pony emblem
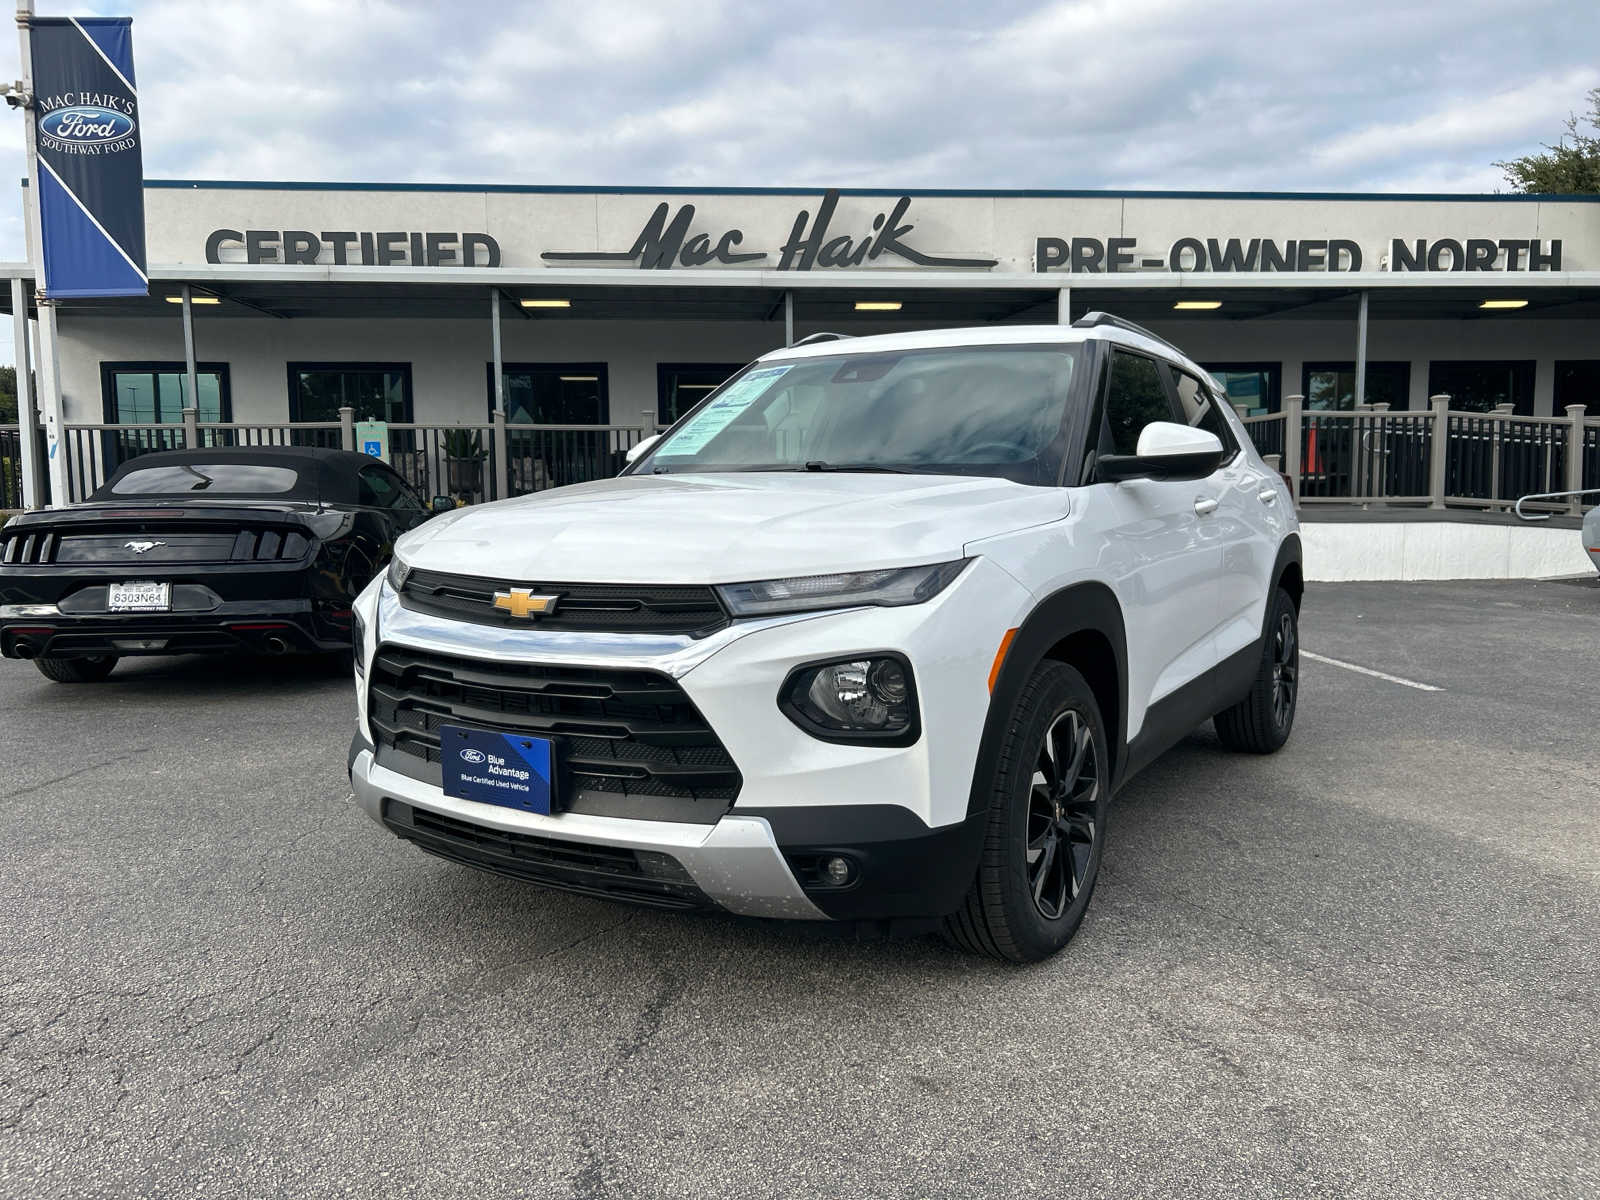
{"points": [[141, 547], [521, 602]]}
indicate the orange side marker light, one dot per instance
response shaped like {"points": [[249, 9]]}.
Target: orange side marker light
{"points": [[1000, 657]]}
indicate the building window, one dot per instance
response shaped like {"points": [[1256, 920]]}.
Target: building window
{"points": [[376, 391], [1479, 386], [1256, 384], [1578, 382], [153, 393], [1332, 385], [680, 386], [553, 393]]}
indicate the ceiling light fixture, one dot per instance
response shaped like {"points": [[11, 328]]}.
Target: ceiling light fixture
{"points": [[194, 300], [1504, 304], [877, 306], [1197, 305], [539, 303], [580, 379]]}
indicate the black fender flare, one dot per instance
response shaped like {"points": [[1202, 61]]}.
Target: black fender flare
{"points": [[1289, 556], [1089, 607]]}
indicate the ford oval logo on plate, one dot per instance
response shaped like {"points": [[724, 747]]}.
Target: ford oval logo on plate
{"points": [[472, 756], [82, 125]]}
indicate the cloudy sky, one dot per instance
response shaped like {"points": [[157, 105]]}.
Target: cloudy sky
{"points": [[1372, 95]]}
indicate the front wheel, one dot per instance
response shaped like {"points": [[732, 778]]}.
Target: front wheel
{"points": [[76, 670], [1261, 722], [1046, 824]]}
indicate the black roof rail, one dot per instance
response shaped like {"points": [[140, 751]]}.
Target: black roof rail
{"points": [[1095, 320], [821, 337]]}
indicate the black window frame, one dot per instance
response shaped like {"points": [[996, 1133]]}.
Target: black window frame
{"points": [[1209, 389], [108, 370], [1591, 406], [1272, 370], [600, 369], [403, 368], [1104, 444], [1528, 367], [1349, 364], [665, 369]]}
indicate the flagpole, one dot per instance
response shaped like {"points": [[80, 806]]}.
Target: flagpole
{"points": [[49, 365]]}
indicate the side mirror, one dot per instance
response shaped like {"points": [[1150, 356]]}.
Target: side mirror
{"points": [[1166, 450], [442, 505], [637, 451]]}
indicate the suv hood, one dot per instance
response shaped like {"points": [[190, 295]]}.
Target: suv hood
{"points": [[727, 527]]}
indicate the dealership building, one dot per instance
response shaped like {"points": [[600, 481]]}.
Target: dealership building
{"points": [[622, 306]]}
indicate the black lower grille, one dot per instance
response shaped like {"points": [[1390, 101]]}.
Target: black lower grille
{"points": [[628, 742], [636, 876], [579, 607]]}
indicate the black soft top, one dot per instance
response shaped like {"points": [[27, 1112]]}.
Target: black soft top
{"points": [[323, 476]]}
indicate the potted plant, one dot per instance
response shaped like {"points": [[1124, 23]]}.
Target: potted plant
{"points": [[464, 455]]}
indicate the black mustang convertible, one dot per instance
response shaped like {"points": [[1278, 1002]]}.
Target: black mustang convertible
{"points": [[257, 550]]}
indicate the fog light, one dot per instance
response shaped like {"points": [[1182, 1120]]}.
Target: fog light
{"points": [[838, 871]]}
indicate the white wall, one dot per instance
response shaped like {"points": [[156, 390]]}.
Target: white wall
{"points": [[448, 356]]}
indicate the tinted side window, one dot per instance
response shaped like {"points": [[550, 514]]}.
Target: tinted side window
{"points": [[1200, 408], [381, 489], [1135, 396]]}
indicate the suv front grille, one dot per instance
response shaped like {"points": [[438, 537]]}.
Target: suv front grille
{"points": [[581, 607], [628, 742]]}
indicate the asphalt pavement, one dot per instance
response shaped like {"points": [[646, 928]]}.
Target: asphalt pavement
{"points": [[1365, 966]]}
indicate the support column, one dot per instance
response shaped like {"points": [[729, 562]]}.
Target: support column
{"points": [[788, 318], [1293, 407], [1361, 352], [1064, 306], [1439, 459], [1575, 415], [33, 495], [192, 396], [494, 338], [55, 423]]}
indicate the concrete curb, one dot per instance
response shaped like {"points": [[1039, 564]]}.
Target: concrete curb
{"points": [[1408, 550]]}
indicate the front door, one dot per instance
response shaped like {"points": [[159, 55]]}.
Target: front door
{"points": [[1161, 543]]}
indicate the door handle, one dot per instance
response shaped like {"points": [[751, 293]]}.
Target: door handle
{"points": [[1204, 506], [1267, 495]]}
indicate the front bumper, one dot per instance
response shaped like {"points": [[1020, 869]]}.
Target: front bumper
{"points": [[899, 814]]}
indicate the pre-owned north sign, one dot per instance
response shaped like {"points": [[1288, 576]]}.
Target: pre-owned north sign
{"points": [[1096, 255]]}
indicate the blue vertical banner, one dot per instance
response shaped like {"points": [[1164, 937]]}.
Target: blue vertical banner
{"points": [[90, 174]]}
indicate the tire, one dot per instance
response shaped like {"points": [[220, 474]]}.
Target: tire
{"points": [[76, 670], [1262, 721], [1044, 838]]}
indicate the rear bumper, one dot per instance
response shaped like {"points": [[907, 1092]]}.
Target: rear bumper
{"points": [[247, 627]]}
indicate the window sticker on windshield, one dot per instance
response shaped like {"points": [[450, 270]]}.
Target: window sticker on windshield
{"points": [[720, 413]]}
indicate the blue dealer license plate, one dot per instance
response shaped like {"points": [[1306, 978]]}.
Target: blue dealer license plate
{"points": [[511, 770]]}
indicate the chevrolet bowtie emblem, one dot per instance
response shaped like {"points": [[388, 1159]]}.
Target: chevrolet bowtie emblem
{"points": [[522, 602]]}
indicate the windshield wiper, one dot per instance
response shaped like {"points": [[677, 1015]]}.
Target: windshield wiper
{"points": [[817, 464]]}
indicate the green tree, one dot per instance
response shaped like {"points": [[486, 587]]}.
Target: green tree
{"points": [[1570, 167], [8, 395]]}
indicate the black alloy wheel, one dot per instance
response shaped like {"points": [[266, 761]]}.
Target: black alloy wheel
{"points": [[1262, 721], [1063, 814], [1044, 828]]}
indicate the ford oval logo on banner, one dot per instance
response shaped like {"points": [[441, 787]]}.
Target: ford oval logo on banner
{"points": [[86, 125]]}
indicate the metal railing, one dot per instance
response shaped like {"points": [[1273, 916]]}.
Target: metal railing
{"points": [[1434, 456], [10, 466], [471, 462]]}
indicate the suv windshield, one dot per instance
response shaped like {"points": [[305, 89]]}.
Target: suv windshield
{"points": [[969, 410]]}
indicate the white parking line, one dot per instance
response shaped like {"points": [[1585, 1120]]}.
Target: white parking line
{"points": [[1334, 662]]}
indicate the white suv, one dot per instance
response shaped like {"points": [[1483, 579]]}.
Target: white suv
{"points": [[871, 634]]}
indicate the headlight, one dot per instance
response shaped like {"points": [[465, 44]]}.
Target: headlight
{"points": [[890, 589], [399, 568], [866, 698]]}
